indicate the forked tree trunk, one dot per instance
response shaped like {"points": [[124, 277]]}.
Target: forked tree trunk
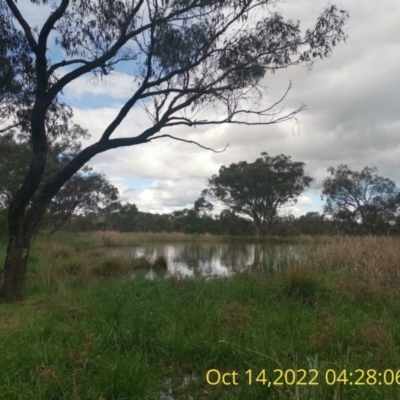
{"points": [[14, 272]]}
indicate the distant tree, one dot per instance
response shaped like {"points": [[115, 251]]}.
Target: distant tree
{"points": [[84, 193], [164, 223], [184, 55], [229, 223], [311, 223], [107, 201], [361, 198], [125, 218], [201, 206], [260, 189]]}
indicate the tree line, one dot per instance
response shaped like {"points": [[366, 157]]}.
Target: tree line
{"points": [[258, 193], [255, 196]]}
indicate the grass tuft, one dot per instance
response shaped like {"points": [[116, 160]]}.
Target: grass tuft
{"points": [[302, 284]]}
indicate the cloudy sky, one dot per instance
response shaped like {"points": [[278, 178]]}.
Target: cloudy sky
{"points": [[352, 116]]}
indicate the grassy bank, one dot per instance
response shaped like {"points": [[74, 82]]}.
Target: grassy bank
{"points": [[80, 335]]}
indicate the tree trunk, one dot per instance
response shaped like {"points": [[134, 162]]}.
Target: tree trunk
{"points": [[22, 227], [257, 230], [105, 222], [14, 272]]}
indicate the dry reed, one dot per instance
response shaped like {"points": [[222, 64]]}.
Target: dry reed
{"points": [[112, 238], [370, 258]]}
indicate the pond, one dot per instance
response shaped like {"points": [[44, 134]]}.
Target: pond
{"points": [[203, 259]]}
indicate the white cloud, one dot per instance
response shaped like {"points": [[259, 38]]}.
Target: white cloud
{"points": [[305, 201], [164, 196], [117, 85], [297, 212], [164, 158]]}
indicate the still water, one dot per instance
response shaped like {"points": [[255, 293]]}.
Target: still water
{"points": [[213, 259]]}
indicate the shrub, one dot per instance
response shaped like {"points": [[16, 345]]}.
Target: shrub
{"points": [[160, 262], [301, 284], [74, 266], [112, 266], [140, 263]]}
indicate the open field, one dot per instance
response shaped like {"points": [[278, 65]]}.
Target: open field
{"points": [[86, 332]]}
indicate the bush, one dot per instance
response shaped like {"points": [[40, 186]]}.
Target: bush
{"points": [[75, 266], [113, 266], [301, 284], [160, 262], [140, 263]]}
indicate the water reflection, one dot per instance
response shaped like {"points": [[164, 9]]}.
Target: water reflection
{"points": [[213, 259]]}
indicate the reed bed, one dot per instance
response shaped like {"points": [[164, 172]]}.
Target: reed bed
{"points": [[113, 238], [372, 259]]}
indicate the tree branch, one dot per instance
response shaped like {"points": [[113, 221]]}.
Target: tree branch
{"points": [[63, 64], [122, 40], [49, 24], [7, 128], [24, 25], [130, 103], [189, 141], [91, 65]]}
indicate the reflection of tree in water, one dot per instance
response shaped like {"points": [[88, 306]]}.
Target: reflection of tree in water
{"points": [[214, 258]]}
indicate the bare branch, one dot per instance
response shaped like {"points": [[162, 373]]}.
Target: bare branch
{"points": [[188, 141]]}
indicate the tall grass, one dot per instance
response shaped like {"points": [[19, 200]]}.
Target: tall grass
{"points": [[373, 260], [112, 238]]}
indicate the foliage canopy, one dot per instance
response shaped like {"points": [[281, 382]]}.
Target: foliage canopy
{"points": [[361, 197], [260, 189]]}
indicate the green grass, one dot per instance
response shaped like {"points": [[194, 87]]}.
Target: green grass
{"points": [[119, 340], [80, 335]]}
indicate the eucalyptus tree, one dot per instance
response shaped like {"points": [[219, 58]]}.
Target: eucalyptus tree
{"points": [[184, 56], [260, 189], [202, 207], [84, 193], [361, 199]]}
